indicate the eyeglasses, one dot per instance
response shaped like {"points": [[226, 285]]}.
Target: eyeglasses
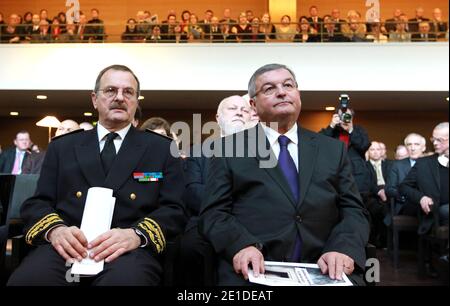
{"points": [[270, 89], [438, 140], [111, 92]]}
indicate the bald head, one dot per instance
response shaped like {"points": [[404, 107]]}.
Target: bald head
{"points": [[67, 126], [233, 114], [440, 138]]}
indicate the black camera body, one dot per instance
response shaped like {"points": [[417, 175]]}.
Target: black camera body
{"points": [[344, 101]]}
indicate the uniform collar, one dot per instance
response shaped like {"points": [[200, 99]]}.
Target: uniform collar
{"points": [[102, 131]]}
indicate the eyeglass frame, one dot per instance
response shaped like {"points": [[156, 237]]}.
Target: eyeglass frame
{"points": [[276, 87], [135, 94], [439, 140]]}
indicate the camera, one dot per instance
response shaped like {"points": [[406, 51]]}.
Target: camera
{"points": [[343, 106]]}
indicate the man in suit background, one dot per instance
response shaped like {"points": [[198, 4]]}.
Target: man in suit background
{"points": [[12, 159], [114, 155], [233, 115], [291, 197], [427, 182], [415, 146]]}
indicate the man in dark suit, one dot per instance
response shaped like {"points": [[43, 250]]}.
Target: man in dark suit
{"points": [[233, 115], [315, 21], [12, 159], [290, 197], [415, 146], [146, 180], [424, 34], [413, 23], [427, 182]]}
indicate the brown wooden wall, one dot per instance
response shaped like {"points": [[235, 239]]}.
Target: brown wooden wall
{"points": [[388, 127]]}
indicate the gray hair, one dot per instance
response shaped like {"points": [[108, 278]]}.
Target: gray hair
{"points": [[442, 125], [422, 139], [261, 71], [117, 68]]}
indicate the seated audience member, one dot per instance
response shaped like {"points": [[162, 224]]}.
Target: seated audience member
{"points": [[377, 207], [62, 22], [155, 36], [331, 32], [267, 28], [242, 30], [215, 31], [401, 152], [86, 126], [194, 29], [232, 116], [131, 33], [413, 23], [82, 30], [158, 125], [316, 213], [12, 159], [355, 29], [427, 182], [427, 185], [305, 32], [171, 31], [34, 28], [285, 31], [95, 30], [10, 32], [70, 35], [66, 126], [256, 36], [424, 34], [376, 35], [390, 24], [438, 26], [55, 29], [336, 17], [145, 218], [400, 34], [44, 35], [415, 147]]}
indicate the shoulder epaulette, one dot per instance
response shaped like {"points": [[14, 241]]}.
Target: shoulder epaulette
{"points": [[161, 135], [70, 133]]}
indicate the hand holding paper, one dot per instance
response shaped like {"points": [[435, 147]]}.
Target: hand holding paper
{"points": [[97, 218]]}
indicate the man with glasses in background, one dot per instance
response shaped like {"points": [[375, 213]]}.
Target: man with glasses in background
{"points": [[302, 207], [147, 213]]}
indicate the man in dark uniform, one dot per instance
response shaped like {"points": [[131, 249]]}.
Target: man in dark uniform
{"points": [[147, 182]]}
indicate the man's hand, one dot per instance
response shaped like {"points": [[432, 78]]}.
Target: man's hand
{"points": [[425, 203], [335, 263], [69, 242], [382, 195], [245, 256], [113, 243], [335, 120]]}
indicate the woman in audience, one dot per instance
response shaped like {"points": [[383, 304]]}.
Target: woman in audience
{"points": [[131, 33], [62, 22], [55, 29], [27, 23], [285, 31], [185, 18], [10, 33], [195, 31], [305, 33], [267, 28], [256, 36], [376, 36], [243, 30]]}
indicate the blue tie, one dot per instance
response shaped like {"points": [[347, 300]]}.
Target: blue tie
{"points": [[287, 165]]}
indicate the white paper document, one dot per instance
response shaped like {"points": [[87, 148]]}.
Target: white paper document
{"points": [[295, 274], [97, 218]]}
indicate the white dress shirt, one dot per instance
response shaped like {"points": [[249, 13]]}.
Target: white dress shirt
{"points": [[273, 135], [102, 132]]}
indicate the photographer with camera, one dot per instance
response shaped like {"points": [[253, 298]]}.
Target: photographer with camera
{"points": [[357, 141]]}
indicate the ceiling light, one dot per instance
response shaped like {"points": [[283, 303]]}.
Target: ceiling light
{"points": [[14, 113], [87, 114], [141, 98], [41, 97], [330, 108]]}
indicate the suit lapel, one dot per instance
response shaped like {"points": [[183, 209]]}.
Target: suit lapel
{"points": [[88, 157], [307, 155], [256, 135], [435, 173], [128, 157]]}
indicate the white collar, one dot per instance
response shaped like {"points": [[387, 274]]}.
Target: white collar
{"points": [[443, 160], [273, 135], [102, 131]]}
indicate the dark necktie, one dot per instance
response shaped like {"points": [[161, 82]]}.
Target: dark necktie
{"points": [[109, 152], [287, 165]]}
